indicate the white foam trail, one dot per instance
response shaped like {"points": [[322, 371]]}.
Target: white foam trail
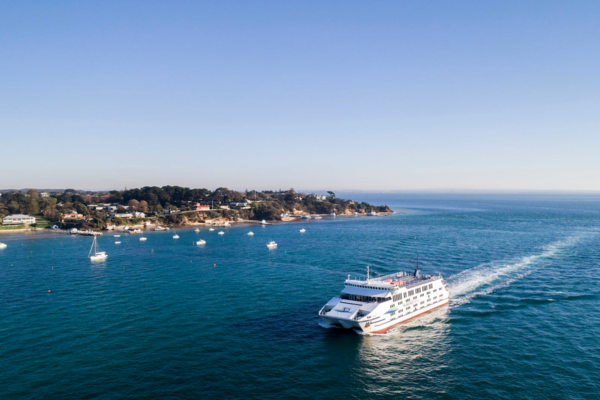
{"points": [[486, 278]]}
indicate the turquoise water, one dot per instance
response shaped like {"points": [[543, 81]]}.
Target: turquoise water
{"points": [[165, 319]]}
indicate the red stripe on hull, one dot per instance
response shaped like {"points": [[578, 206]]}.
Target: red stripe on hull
{"points": [[414, 316]]}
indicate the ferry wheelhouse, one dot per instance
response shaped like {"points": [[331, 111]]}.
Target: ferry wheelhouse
{"points": [[375, 305]]}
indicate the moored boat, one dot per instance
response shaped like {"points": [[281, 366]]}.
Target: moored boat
{"points": [[271, 245], [94, 254], [200, 242], [4, 245]]}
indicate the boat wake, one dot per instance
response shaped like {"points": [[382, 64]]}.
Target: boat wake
{"points": [[486, 278]]}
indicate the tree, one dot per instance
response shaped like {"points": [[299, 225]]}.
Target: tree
{"points": [[143, 206], [331, 193], [13, 207], [32, 207], [82, 209], [133, 205], [49, 207]]}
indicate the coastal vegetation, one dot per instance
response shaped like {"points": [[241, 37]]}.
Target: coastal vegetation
{"points": [[173, 205]]}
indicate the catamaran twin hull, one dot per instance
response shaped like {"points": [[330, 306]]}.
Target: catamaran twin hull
{"points": [[375, 305]]}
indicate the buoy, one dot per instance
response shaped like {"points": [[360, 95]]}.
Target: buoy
{"points": [[215, 265], [48, 291]]}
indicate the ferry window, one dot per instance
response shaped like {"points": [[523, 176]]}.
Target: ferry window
{"points": [[422, 294], [405, 294], [418, 290], [431, 286], [411, 292]]}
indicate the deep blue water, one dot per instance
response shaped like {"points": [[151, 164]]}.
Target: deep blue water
{"points": [[165, 319]]}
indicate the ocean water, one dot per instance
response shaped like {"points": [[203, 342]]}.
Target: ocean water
{"points": [[232, 319]]}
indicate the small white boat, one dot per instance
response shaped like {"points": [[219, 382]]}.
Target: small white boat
{"points": [[302, 230], [271, 245], [117, 242], [4, 245], [117, 236], [317, 217], [305, 216], [200, 242], [332, 214], [196, 230], [221, 233], [175, 236], [159, 228], [263, 222], [94, 254], [143, 239], [250, 233], [211, 229]]}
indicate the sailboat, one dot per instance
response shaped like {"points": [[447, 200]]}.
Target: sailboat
{"points": [[175, 236], [98, 255], [3, 245]]}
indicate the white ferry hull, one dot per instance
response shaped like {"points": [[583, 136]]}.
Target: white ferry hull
{"points": [[377, 305], [391, 324]]}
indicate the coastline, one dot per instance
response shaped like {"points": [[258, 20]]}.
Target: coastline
{"points": [[209, 223]]}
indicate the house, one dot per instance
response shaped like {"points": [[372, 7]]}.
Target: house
{"points": [[320, 197], [138, 214], [73, 218], [18, 219], [237, 204], [45, 194], [123, 215], [199, 207]]}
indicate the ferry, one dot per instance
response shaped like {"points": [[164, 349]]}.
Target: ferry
{"points": [[376, 305]]}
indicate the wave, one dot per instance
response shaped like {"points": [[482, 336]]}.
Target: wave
{"points": [[486, 278]]}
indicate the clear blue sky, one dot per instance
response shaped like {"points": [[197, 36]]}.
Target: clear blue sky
{"points": [[308, 94]]}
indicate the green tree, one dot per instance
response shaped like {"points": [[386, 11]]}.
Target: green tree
{"points": [[33, 206], [14, 207]]}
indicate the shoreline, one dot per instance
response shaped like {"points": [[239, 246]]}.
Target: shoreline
{"points": [[210, 224]]}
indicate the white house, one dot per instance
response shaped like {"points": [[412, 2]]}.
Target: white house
{"points": [[124, 215], [45, 194], [237, 204], [18, 219]]}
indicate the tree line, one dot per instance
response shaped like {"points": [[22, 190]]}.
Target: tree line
{"points": [[267, 205]]}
